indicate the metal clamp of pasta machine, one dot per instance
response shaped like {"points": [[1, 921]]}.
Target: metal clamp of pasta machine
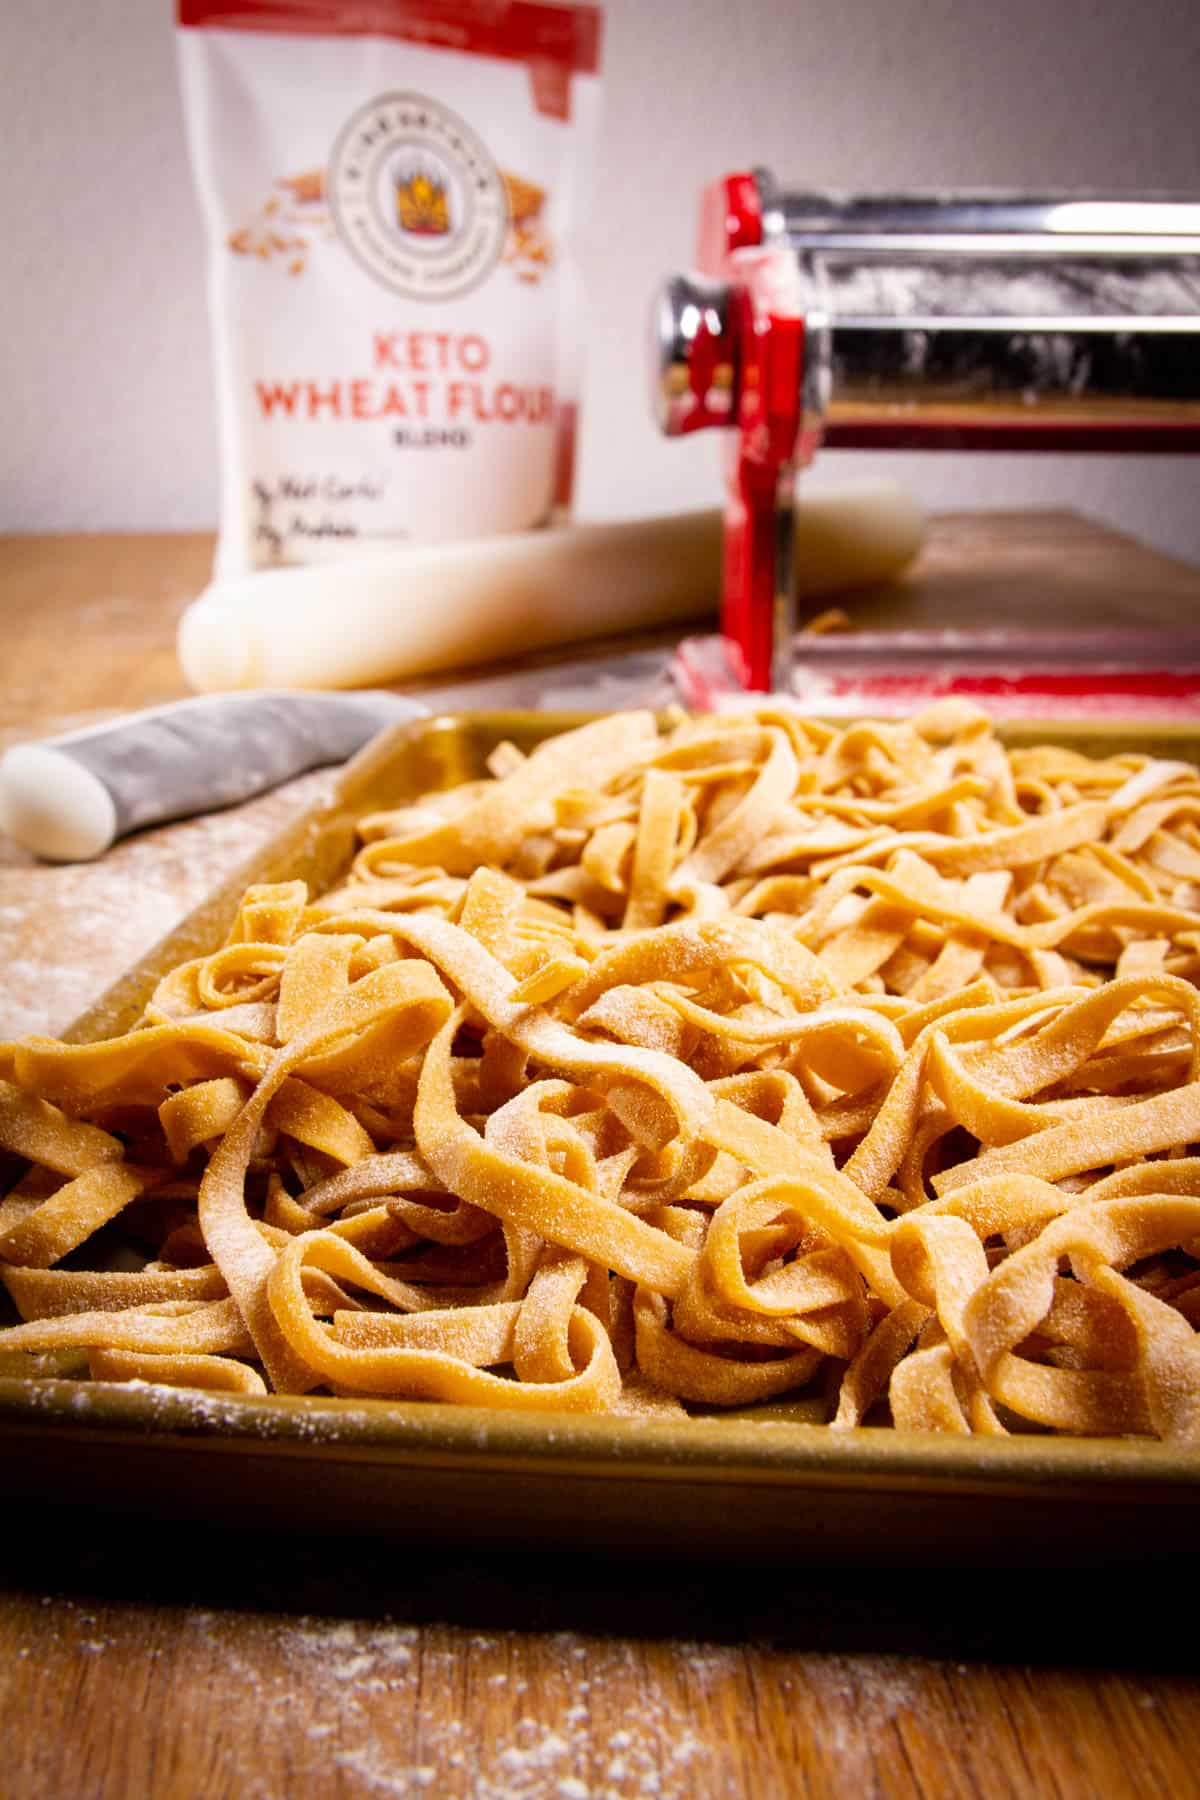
{"points": [[945, 322]]}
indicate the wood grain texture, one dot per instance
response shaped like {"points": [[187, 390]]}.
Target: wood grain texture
{"points": [[206, 1664], [89, 622], [1034, 569], [175, 1663]]}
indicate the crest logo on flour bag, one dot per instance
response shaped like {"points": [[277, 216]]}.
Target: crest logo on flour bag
{"points": [[417, 198], [391, 192]]}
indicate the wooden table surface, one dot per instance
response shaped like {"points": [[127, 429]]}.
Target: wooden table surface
{"points": [[171, 1661]]}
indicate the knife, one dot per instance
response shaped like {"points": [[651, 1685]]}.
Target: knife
{"points": [[68, 798]]}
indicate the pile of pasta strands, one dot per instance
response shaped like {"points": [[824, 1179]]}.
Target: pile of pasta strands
{"points": [[749, 1059]]}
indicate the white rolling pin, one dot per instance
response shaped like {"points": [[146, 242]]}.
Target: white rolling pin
{"points": [[69, 798], [391, 615]]}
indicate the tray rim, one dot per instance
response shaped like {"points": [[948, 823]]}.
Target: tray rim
{"points": [[709, 1448]]}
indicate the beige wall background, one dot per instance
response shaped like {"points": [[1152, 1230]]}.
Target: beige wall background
{"points": [[104, 352]]}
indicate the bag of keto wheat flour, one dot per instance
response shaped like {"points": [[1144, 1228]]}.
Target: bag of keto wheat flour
{"points": [[390, 189]]}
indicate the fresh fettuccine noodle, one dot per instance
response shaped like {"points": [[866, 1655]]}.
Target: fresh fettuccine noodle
{"points": [[665, 1069]]}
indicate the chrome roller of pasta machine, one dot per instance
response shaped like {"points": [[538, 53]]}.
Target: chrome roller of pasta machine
{"points": [[945, 322]]}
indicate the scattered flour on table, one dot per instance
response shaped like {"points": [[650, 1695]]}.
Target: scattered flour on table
{"points": [[68, 931], [362, 1706], [873, 1694], [346, 1691]]}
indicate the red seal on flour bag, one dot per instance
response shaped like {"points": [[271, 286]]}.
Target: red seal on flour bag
{"points": [[390, 190]]}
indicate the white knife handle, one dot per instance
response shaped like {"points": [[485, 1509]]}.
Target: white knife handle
{"points": [[68, 799]]}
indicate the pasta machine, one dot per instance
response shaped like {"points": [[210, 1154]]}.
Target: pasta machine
{"points": [[949, 322]]}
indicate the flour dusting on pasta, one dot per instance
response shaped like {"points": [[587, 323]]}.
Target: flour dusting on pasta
{"points": [[663, 1069]]}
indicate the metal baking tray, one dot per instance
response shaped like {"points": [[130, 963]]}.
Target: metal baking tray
{"points": [[766, 1483]]}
